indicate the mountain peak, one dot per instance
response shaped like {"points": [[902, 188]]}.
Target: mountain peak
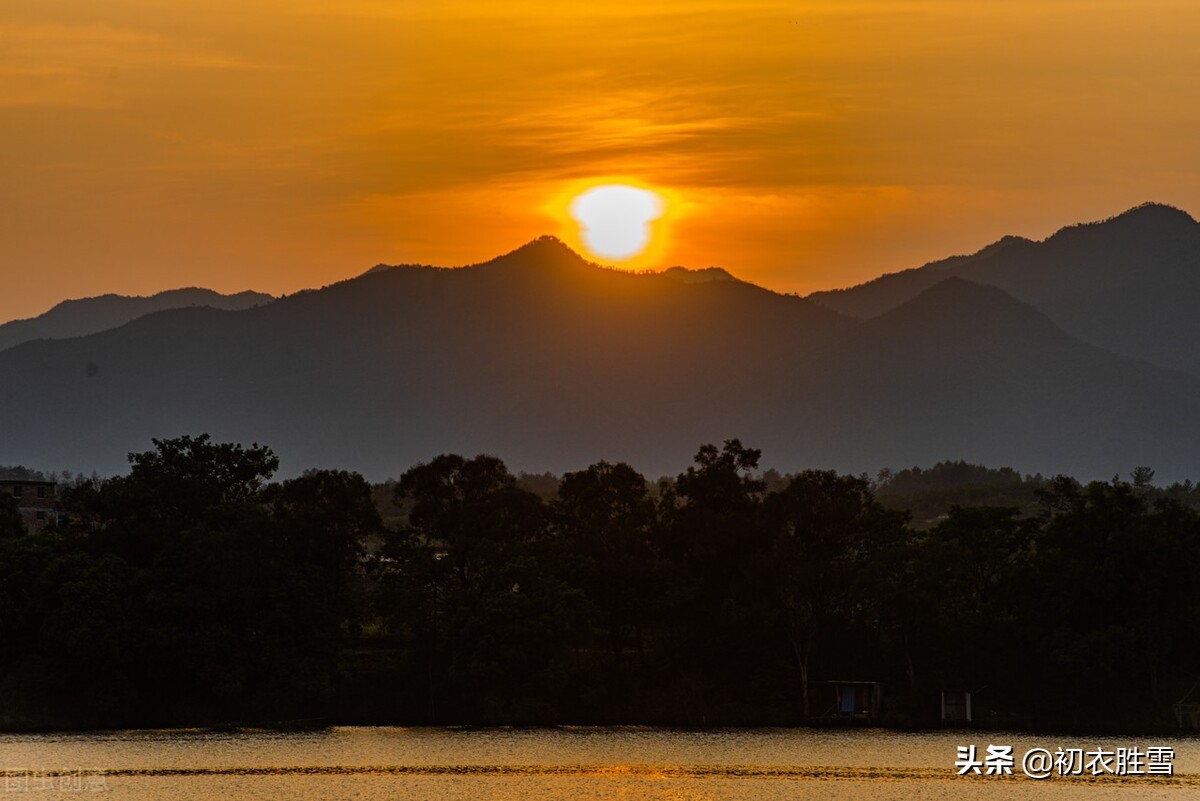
{"points": [[554, 361], [82, 316], [960, 313], [956, 292], [547, 252], [1150, 210], [1148, 220], [965, 302]]}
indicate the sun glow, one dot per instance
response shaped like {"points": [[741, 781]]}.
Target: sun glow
{"points": [[615, 219]]}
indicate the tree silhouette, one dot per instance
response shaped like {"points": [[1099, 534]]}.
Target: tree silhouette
{"points": [[11, 524], [824, 530], [607, 516]]}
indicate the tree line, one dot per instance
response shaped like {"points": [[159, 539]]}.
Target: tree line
{"points": [[196, 591]]}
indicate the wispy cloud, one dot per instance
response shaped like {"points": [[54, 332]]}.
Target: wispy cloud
{"points": [[83, 66], [808, 138]]}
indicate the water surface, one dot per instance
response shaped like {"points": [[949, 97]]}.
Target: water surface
{"points": [[564, 763]]}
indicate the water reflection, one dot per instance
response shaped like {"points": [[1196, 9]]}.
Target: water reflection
{"points": [[565, 763]]}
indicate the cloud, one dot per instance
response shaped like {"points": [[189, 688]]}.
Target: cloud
{"points": [[84, 66]]}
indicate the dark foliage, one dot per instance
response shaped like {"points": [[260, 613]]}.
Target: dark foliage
{"points": [[192, 591]]}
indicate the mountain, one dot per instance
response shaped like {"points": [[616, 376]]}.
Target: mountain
{"points": [[77, 318], [552, 363], [965, 369], [1129, 284]]}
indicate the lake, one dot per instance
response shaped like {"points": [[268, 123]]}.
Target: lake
{"points": [[628, 763]]}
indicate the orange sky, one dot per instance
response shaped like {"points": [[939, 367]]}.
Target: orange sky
{"points": [[282, 144]]}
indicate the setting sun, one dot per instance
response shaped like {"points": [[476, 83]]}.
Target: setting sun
{"points": [[615, 220]]}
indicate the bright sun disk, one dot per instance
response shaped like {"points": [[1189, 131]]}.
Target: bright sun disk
{"points": [[615, 219]]}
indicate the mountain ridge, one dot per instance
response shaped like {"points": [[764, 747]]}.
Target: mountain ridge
{"points": [[553, 363], [84, 316], [1127, 283]]}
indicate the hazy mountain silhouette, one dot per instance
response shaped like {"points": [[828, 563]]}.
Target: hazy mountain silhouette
{"points": [[966, 369], [1129, 284], [552, 363], [76, 318]]}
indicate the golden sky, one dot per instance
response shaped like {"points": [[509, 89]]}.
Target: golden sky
{"points": [[282, 144]]}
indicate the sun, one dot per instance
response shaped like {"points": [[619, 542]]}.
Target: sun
{"points": [[615, 219]]}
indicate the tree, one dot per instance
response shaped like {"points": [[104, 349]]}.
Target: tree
{"points": [[964, 596], [1109, 594], [188, 475], [180, 484], [323, 519], [11, 524], [607, 516], [713, 536], [483, 598], [1142, 477], [824, 528], [720, 495], [470, 508]]}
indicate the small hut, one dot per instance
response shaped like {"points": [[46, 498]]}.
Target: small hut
{"points": [[956, 706], [855, 700], [1187, 708]]}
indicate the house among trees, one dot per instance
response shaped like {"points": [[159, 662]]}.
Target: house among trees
{"points": [[37, 501], [855, 700]]}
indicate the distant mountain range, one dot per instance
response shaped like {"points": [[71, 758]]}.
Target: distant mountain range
{"points": [[77, 318], [1129, 284], [552, 362]]}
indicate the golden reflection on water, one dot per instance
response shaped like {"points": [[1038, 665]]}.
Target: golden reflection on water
{"points": [[629, 788], [631, 764]]}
